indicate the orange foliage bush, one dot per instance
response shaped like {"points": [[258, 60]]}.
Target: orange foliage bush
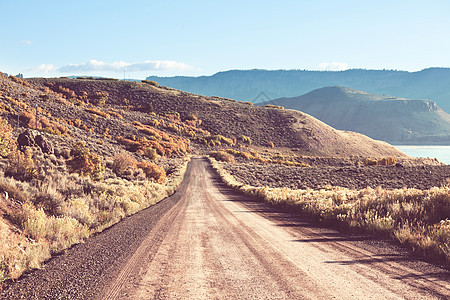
{"points": [[97, 112], [153, 171], [22, 166], [99, 98], [115, 114], [27, 119], [222, 156], [7, 143], [19, 81], [66, 92]]}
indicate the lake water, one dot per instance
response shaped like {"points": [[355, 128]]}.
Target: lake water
{"points": [[442, 153]]}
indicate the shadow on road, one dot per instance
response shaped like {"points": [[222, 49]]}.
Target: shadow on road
{"points": [[371, 260], [308, 230]]}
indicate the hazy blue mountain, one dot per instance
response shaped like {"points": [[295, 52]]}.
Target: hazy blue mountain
{"points": [[381, 117], [260, 85]]}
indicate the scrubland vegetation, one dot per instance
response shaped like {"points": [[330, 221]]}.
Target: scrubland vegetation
{"points": [[41, 215], [417, 218], [229, 155], [119, 147]]}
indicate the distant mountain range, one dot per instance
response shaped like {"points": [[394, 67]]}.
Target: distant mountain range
{"points": [[261, 85], [381, 117]]}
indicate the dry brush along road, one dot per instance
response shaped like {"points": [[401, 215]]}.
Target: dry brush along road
{"points": [[207, 242]]}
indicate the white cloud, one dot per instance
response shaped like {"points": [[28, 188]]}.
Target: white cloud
{"points": [[164, 65], [26, 42], [100, 66], [44, 68], [333, 66], [92, 65]]}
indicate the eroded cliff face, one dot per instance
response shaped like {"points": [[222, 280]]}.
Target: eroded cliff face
{"points": [[395, 120]]}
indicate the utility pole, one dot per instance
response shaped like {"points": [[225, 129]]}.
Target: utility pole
{"points": [[36, 116], [18, 119]]}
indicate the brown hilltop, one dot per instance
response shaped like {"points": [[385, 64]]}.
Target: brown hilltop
{"points": [[398, 121], [284, 128]]}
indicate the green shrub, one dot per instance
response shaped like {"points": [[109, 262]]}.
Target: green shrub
{"points": [[279, 156], [370, 162], [86, 163], [49, 200], [246, 139], [151, 153]]}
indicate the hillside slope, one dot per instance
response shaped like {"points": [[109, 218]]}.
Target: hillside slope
{"points": [[219, 116], [395, 120], [247, 85]]}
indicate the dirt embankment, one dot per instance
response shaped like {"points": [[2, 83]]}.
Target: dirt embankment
{"points": [[388, 177]]}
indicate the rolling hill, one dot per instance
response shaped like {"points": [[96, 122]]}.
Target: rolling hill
{"points": [[145, 103], [247, 85], [391, 119]]}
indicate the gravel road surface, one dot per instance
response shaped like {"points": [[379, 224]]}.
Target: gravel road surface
{"points": [[207, 242]]}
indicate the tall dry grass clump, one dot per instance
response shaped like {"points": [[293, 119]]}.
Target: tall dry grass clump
{"points": [[124, 164]]}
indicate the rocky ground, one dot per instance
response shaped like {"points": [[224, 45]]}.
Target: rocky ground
{"points": [[354, 177]]}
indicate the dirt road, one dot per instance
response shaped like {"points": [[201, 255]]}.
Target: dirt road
{"points": [[214, 244], [217, 247]]}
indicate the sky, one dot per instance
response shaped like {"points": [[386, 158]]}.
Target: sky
{"points": [[137, 38]]}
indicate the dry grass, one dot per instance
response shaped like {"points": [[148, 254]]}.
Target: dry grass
{"points": [[222, 156], [418, 218], [98, 112], [385, 161], [274, 106], [40, 218], [254, 156], [124, 164]]}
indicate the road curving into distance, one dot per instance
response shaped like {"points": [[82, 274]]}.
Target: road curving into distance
{"points": [[207, 242]]}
